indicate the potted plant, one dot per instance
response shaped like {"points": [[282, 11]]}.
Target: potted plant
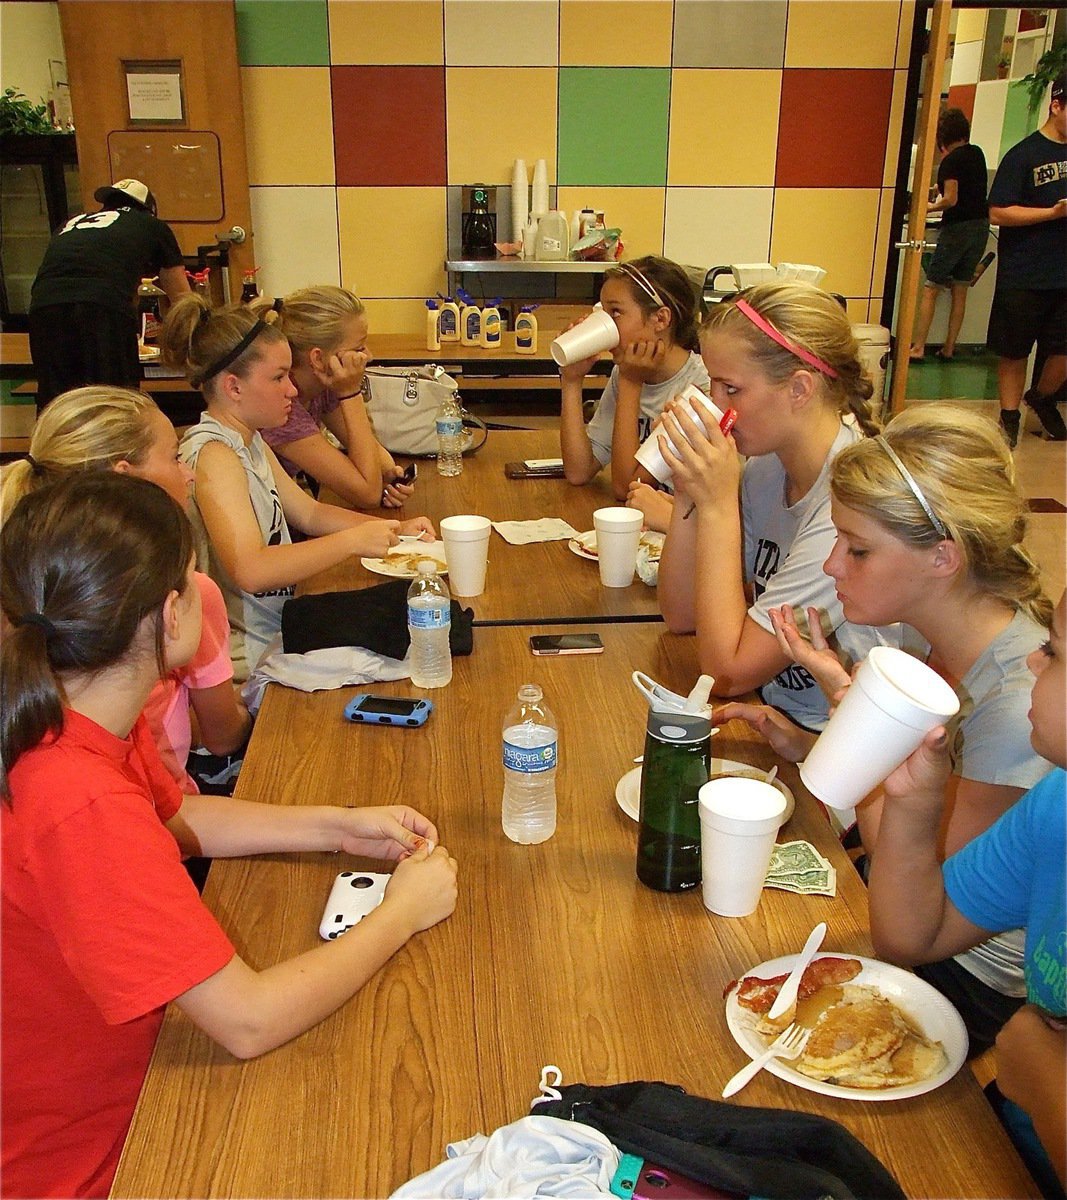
{"points": [[19, 115], [1048, 66]]}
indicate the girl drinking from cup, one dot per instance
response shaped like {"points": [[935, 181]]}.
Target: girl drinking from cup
{"points": [[244, 498], [112, 429], [326, 327], [651, 301], [930, 528], [102, 926], [740, 544]]}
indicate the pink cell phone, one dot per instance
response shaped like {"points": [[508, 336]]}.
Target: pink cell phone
{"points": [[661, 1183]]}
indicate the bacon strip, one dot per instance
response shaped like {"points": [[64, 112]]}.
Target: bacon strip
{"points": [[757, 995]]}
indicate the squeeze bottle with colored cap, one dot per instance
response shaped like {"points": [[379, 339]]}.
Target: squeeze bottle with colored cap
{"points": [[448, 327], [433, 326], [470, 321], [526, 330], [491, 325]]}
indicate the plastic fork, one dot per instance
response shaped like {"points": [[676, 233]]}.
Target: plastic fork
{"points": [[789, 1043]]}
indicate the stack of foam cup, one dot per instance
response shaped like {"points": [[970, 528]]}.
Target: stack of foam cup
{"points": [[598, 332], [649, 454], [466, 540], [739, 821], [894, 701], [618, 535]]}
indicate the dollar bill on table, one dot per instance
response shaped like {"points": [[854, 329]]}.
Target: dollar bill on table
{"points": [[799, 867]]}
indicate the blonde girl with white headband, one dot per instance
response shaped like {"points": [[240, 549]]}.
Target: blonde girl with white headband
{"points": [[651, 301], [743, 542], [930, 527], [243, 497], [327, 328]]}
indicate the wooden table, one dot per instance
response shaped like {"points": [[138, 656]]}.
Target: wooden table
{"points": [[555, 954], [542, 583]]}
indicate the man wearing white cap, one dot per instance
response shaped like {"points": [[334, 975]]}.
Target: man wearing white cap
{"points": [[83, 317]]}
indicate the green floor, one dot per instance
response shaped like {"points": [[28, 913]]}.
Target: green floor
{"points": [[970, 376]]}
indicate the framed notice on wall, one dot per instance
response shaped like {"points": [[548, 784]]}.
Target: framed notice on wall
{"points": [[154, 93]]}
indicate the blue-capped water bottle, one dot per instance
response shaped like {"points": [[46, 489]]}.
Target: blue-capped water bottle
{"points": [[429, 624], [528, 812]]}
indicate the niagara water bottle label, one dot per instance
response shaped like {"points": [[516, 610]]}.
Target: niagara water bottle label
{"points": [[429, 618], [529, 759], [450, 427]]}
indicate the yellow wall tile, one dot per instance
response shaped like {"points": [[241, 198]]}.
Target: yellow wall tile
{"points": [[714, 140], [615, 33], [842, 33], [382, 31], [484, 151], [392, 240], [882, 238], [970, 24], [896, 117], [857, 310], [904, 32], [830, 227], [516, 33], [288, 124], [874, 311], [637, 211], [395, 316]]}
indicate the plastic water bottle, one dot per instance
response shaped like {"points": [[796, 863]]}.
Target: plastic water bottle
{"points": [[450, 437], [529, 809], [429, 622]]}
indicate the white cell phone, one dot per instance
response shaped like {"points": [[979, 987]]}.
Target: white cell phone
{"points": [[566, 643], [543, 464], [353, 895]]}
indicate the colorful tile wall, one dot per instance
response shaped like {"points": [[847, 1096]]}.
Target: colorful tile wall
{"points": [[709, 130]]}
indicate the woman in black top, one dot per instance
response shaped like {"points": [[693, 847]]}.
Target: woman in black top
{"points": [[83, 316], [962, 181]]}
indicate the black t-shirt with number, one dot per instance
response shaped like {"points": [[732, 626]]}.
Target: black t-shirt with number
{"points": [[1032, 174], [100, 258], [965, 164]]}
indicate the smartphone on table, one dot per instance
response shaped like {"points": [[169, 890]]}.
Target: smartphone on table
{"points": [[535, 468], [366, 709], [544, 644]]}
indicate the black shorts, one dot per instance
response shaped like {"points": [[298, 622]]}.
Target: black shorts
{"points": [[984, 1010], [1021, 316], [958, 252], [77, 344]]}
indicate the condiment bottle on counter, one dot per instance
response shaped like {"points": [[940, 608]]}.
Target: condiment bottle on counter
{"points": [[448, 327], [148, 301], [249, 290], [553, 237], [491, 325], [433, 326], [470, 320], [526, 330]]}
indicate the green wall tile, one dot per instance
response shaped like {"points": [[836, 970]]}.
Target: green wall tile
{"points": [[1018, 120], [282, 33], [613, 126]]}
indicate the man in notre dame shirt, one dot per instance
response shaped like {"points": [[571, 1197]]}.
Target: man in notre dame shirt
{"points": [[83, 317]]}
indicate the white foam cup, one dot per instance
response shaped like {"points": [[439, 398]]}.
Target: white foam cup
{"points": [[596, 333], [893, 702], [466, 540], [618, 535], [739, 821], [649, 454]]}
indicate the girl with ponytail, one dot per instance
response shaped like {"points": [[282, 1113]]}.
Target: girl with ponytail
{"points": [[930, 529], [244, 498], [741, 543], [102, 925]]}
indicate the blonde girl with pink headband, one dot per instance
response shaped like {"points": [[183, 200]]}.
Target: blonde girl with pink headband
{"points": [[743, 540]]}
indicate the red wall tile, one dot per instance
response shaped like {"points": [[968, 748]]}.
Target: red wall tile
{"points": [[389, 126], [962, 97], [833, 127]]}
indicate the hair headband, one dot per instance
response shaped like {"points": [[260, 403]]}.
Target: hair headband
{"points": [[916, 491], [642, 282], [813, 360], [230, 355], [35, 466]]}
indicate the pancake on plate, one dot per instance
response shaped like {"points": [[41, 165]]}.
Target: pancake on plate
{"points": [[408, 560]]}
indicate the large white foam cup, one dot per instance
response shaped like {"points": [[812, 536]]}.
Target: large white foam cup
{"points": [[618, 535], [466, 540], [894, 701], [649, 454], [598, 332], [739, 821]]}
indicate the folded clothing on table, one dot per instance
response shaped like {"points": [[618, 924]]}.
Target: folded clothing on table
{"points": [[375, 618]]}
